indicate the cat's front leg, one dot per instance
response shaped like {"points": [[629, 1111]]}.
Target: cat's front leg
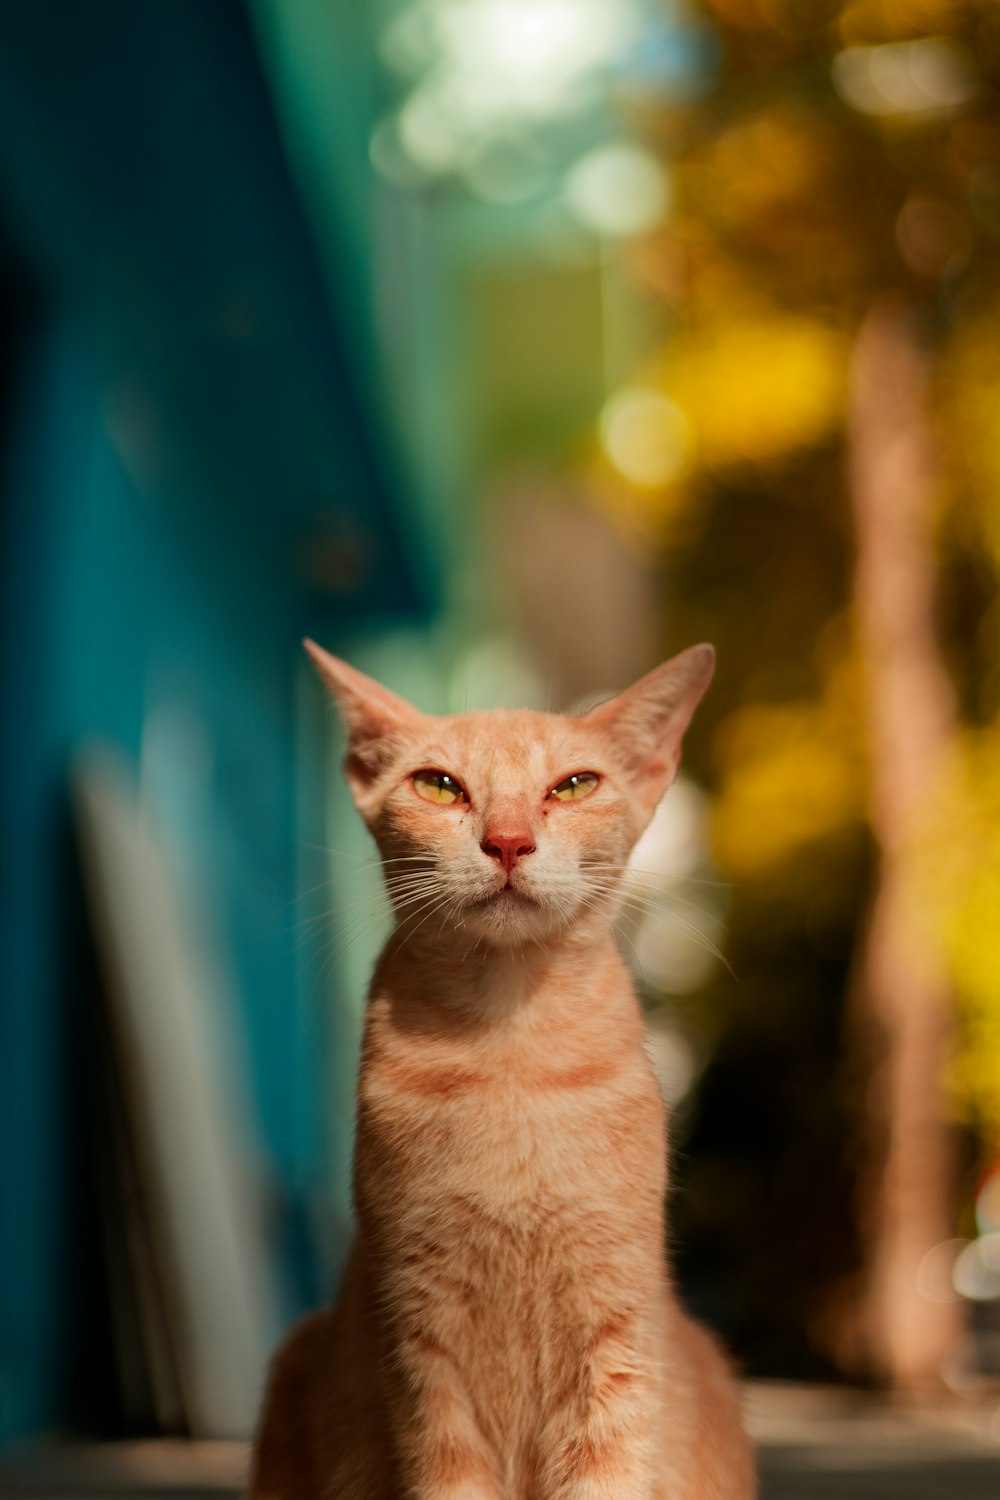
{"points": [[443, 1452], [603, 1436], [608, 1457]]}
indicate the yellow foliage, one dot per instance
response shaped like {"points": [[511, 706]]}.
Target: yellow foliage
{"points": [[792, 775], [769, 162], [754, 389], [758, 389], [745, 15], [969, 402], [787, 17], [960, 877], [873, 21]]}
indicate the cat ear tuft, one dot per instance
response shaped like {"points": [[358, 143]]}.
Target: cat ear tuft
{"points": [[372, 713], [648, 720]]}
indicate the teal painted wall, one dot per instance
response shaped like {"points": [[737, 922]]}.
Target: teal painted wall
{"points": [[191, 475]]}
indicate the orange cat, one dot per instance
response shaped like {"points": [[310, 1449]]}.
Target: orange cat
{"points": [[506, 1328]]}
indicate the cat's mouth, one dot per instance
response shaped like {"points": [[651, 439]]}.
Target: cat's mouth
{"points": [[502, 896]]}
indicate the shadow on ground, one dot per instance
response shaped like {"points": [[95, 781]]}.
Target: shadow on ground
{"points": [[794, 1476]]}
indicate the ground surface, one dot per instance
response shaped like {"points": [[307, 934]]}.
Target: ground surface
{"points": [[814, 1445], [817, 1444]]}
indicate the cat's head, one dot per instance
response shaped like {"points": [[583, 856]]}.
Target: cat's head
{"points": [[512, 826]]}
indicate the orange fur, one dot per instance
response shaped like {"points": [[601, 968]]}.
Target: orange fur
{"points": [[507, 1328]]}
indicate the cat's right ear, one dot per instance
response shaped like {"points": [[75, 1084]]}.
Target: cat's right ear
{"points": [[374, 717]]}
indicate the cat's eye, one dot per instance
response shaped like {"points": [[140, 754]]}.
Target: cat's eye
{"points": [[580, 784], [438, 786]]}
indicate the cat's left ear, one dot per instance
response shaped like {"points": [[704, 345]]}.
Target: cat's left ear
{"points": [[647, 721], [374, 716]]}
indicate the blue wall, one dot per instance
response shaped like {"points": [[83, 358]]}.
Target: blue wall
{"points": [[190, 476]]}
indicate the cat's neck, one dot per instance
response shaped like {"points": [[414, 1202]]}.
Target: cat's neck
{"points": [[442, 987]]}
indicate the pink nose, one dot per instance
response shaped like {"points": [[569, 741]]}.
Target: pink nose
{"points": [[507, 848]]}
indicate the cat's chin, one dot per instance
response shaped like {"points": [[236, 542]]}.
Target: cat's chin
{"points": [[510, 918], [507, 916]]}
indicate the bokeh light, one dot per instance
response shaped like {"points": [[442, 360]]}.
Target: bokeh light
{"points": [[645, 436]]}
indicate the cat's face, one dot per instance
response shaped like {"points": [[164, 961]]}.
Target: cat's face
{"points": [[512, 827]]}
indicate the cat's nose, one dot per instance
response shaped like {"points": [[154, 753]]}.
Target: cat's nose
{"points": [[506, 847]]}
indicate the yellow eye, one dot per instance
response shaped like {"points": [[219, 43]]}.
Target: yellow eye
{"points": [[438, 786], [580, 784]]}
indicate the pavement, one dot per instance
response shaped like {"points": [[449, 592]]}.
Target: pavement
{"points": [[822, 1443], [815, 1443]]}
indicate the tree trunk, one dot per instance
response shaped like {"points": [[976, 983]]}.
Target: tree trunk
{"points": [[901, 1004]]}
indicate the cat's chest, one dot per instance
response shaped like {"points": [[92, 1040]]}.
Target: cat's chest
{"points": [[504, 1124]]}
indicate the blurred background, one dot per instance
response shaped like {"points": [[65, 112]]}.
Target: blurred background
{"points": [[506, 347]]}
